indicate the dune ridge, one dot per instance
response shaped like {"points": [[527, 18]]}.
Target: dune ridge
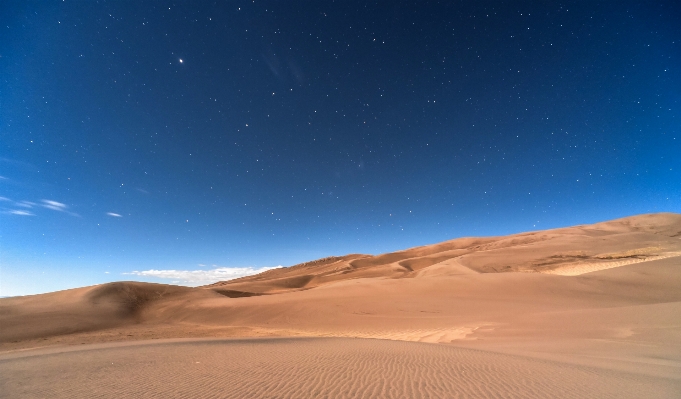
{"points": [[565, 251], [582, 268]]}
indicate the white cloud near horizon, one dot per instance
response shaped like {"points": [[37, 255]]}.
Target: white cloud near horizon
{"points": [[201, 277], [114, 215]]}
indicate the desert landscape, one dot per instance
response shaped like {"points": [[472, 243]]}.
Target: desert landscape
{"points": [[338, 199], [576, 312]]}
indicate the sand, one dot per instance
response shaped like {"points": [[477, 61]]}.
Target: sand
{"points": [[585, 311], [310, 368]]}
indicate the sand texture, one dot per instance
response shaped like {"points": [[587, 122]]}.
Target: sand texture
{"points": [[585, 311], [311, 368]]}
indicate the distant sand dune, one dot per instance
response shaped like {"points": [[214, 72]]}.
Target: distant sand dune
{"points": [[557, 251]]}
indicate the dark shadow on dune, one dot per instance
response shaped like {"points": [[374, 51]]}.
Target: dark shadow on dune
{"points": [[132, 297], [293, 282], [236, 293]]}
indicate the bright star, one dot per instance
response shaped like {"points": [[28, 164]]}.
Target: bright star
{"points": [[181, 60]]}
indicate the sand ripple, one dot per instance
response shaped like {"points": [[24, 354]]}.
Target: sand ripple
{"points": [[310, 368]]}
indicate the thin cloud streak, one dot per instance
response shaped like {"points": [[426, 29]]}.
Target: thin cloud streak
{"points": [[195, 278], [20, 213], [54, 205], [114, 215], [57, 206]]}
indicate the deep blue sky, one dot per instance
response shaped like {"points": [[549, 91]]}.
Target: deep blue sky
{"points": [[194, 136]]}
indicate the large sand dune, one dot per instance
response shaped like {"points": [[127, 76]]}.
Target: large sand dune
{"points": [[585, 311], [568, 251]]}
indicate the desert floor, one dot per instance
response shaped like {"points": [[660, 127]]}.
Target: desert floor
{"points": [[586, 311]]}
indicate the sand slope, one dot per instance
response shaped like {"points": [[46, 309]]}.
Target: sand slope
{"points": [[599, 303], [85, 309], [567, 251]]}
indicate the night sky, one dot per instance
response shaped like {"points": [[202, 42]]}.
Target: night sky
{"points": [[191, 142]]}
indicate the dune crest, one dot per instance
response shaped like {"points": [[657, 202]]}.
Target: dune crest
{"points": [[567, 251]]}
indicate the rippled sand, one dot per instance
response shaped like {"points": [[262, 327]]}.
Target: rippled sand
{"points": [[309, 368]]}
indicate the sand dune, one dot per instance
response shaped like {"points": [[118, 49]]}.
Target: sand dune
{"points": [[602, 245], [585, 311], [85, 309]]}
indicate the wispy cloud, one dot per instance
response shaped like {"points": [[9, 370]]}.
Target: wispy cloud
{"points": [[57, 206], [20, 213], [48, 204], [9, 203], [54, 205], [114, 215], [202, 277]]}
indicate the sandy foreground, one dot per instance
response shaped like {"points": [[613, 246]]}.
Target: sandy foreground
{"points": [[311, 368], [586, 311]]}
